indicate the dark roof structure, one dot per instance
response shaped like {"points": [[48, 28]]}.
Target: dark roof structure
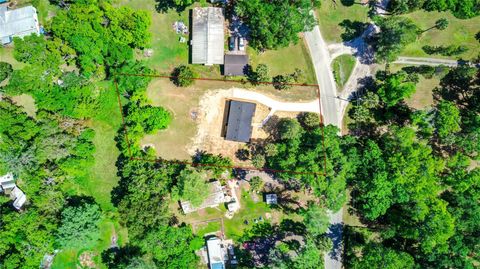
{"points": [[239, 124], [235, 64]]}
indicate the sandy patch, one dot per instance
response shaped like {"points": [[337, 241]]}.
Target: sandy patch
{"points": [[210, 119]]}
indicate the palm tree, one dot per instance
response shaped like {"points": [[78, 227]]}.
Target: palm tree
{"points": [[440, 24]]}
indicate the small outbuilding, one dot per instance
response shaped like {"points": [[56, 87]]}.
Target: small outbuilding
{"points": [[271, 199], [235, 64], [18, 22], [239, 122], [207, 35], [8, 187], [7, 182]]}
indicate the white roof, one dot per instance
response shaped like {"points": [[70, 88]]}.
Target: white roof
{"points": [[7, 181], [19, 198], [215, 253], [18, 22], [208, 35], [271, 198]]}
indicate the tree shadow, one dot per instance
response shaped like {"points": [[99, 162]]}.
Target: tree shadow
{"points": [[353, 29], [163, 6], [119, 257], [80, 200]]}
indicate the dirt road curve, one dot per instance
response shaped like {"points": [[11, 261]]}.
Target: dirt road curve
{"points": [[277, 105]]}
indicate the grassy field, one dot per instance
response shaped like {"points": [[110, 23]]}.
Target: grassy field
{"points": [[6, 55], [106, 123], [342, 69], [171, 143], [331, 15], [458, 32], [27, 102], [285, 60]]}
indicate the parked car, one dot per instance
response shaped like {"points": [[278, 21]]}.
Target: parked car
{"points": [[241, 43], [231, 43]]}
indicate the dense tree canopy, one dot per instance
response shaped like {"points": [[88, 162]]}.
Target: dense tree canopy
{"points": [[460, 8], [395, 87], [79, 226], [275, 24], [101, 34]]}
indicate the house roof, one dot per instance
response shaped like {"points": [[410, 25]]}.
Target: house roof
{"points": [[271, 198], [239, 124], [19, 198], [235, 64], [215, 253], [18, 22], [207, 35], [7, 182]]}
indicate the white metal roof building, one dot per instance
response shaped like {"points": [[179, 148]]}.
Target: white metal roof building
{"points": [[18, 22], [216, 253], [19, 198], [207, 35], [7, 182]]}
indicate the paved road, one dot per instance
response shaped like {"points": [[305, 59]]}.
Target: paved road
{"points": [[321, 63], [331, 111]]}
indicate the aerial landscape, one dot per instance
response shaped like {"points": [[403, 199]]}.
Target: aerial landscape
{"points": [[217, 134]]}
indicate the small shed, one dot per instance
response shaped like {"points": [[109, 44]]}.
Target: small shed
{"points": [[19, 198], [207, 35], [235, 64], [239, 123], [7, 182], [271, 199]]}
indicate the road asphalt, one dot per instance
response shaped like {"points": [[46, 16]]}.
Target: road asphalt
{"points": [[323, 71]]}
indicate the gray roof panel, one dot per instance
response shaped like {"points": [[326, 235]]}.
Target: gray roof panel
{"points": [[239, 124]]}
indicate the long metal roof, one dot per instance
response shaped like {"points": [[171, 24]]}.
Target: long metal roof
{"points": [[18, 22], [207, 35]]}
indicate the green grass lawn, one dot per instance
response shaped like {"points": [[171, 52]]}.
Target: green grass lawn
{"points": [[6, 55], [330, 16], [458, 32], [234, 227], [285, 60], [249, 211], [342, 69], [106, 124]]}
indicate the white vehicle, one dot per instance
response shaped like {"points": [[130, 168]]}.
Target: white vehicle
{"points": [[241, 43]]}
